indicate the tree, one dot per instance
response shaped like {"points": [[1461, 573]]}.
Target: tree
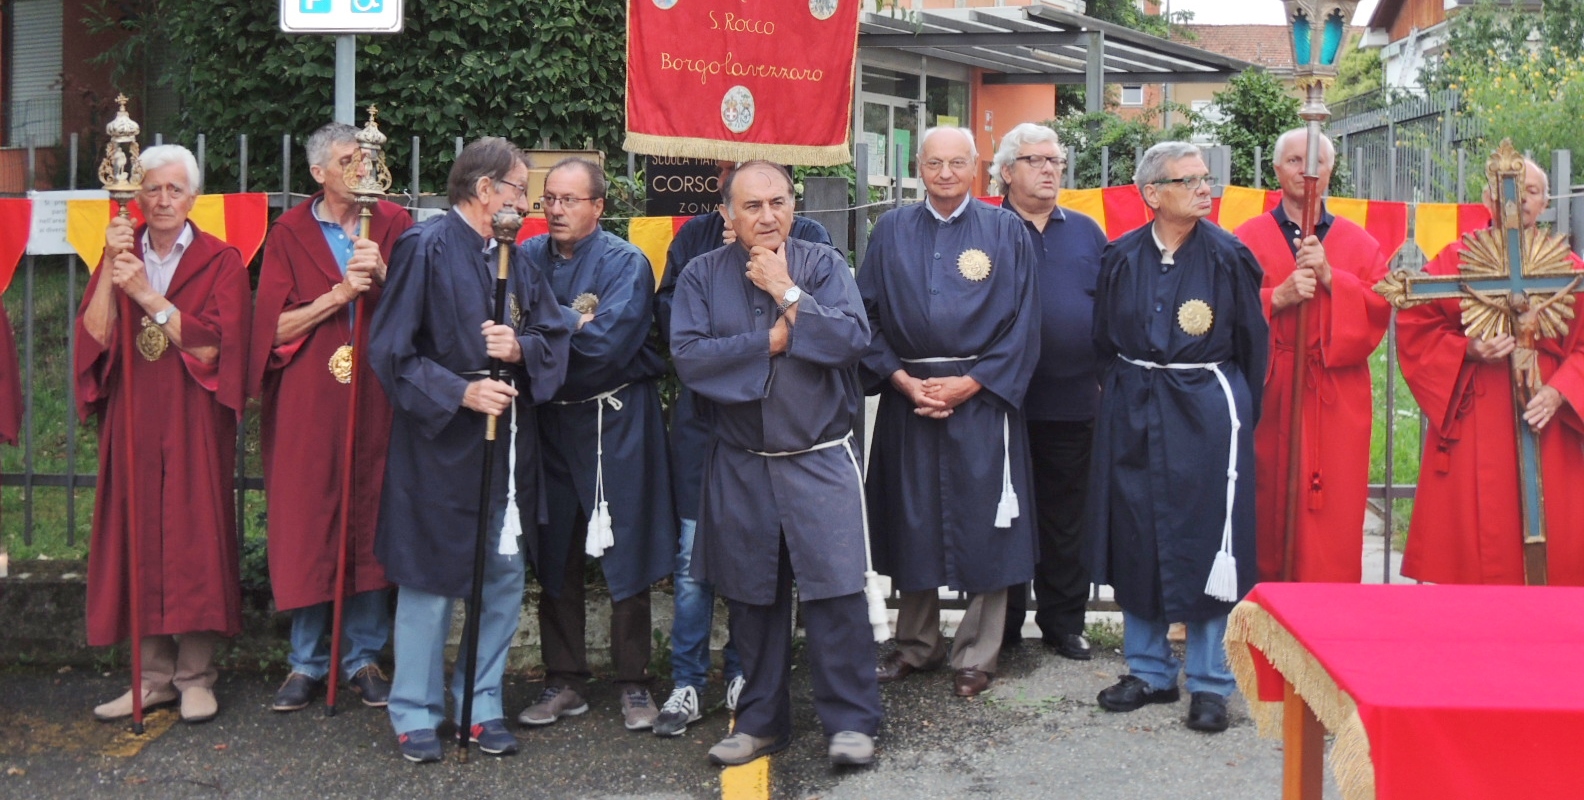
{"points": [[1359, 72], [1256, 108], [1085, 134]]}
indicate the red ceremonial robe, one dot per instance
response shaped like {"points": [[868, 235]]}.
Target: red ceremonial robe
{"points": [[1467, 524], [10, 383], [303, 420], [185, 455], [1345, 326]]}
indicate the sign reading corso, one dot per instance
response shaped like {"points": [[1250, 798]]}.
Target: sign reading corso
{"points": [[680, 187], [341, 16], [725, 79]]}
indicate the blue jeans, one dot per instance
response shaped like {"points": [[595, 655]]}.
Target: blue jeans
{"points": [[690, 626], [423, 620], [365, 628], [1149, 654]]}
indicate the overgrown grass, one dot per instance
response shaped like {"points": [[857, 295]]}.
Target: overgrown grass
{"points": [[1407, 444]]}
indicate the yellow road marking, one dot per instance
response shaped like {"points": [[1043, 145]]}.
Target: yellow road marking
{"points": [[751, 781], [127, 744]]}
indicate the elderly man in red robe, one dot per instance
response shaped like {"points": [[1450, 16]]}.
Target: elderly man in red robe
{"points": [[316, 266], [1333, 270], [1467, 523], [188, 294]]}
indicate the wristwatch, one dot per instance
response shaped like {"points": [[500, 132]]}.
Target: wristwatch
{"points": [[162, 317], [792, 295]]}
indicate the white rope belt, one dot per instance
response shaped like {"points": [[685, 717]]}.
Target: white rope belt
{"points": [[1222, 584], [879, 623], [1007, 507], [511, 526], [601, 536]]}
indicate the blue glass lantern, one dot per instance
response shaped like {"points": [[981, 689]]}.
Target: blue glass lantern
{"points": [[1317, 32]]}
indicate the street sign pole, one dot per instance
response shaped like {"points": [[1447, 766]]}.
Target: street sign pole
{"points": [[343, 19], [345, 77]]}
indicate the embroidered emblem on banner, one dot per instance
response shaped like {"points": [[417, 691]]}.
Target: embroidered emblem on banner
{"points": [[514, 312], [974, 265], [341, 364], [822, 9], [1194, 317], [737, 109], [151, 341]]}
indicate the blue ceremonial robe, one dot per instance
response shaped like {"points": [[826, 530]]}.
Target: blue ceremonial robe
{"points": [[1158, 476], [720, 337], [689, 433], [425, 345], [611, 351], [933, 484]]}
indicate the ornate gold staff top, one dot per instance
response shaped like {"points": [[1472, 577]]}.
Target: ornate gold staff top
{"points": [[372, 183], [121, 172]]}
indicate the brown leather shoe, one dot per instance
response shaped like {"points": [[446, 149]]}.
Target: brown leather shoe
{"points": [[970, 681], [892, 668]]}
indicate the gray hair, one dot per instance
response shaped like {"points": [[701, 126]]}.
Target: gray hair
{"points": [[973, 148], [1152, 167], [164, 155], [490, 157], [319, 144], [1327, 149], [758, 163], [1024, 134], [596, 175]]}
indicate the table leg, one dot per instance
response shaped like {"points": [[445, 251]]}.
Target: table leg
{"points": [[1303, 749]]}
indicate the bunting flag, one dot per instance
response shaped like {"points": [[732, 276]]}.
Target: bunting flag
{"points": [[1437, 225], [1118, 209], [16, 220], [531, 227], [653, 236], [1385, 220], [239, 220], [1239, 204]]}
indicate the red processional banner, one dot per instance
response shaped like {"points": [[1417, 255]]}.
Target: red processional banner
{"points": [[741, 79]]}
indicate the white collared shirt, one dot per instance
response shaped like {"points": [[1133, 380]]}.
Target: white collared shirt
{"points": [[1166, 255], [489, 241], [160, 269], [967, 198]]}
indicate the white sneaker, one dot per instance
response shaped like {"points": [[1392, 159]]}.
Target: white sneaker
{"points": [[734, 691], [680, 708]]}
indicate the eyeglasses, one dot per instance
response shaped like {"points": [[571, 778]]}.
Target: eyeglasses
{"points": [[1190, 182], [1039, 162], [521, 190], [568, 203], [956, 164]]}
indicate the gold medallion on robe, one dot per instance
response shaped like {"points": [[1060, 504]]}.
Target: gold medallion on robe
{"points": [[151, 341], [585, 303], [341, 364], [974, 265], [1194, 317], [514, 312]]}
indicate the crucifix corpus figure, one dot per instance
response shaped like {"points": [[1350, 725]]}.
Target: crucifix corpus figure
{"points": [[1486, 342]]}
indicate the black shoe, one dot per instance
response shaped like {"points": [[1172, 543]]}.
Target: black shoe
{"points": [[1207, 712], [295, 693], [1069, 645], [1132, 693], [371, 684]]}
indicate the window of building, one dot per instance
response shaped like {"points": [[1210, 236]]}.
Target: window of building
{"points": [[1132, 95]]}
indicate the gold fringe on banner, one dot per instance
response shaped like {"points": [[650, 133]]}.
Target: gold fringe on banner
{"points": [[1252, 626], [683, 147]]}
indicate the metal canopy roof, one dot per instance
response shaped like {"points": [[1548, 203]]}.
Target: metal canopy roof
{"points": [[1044, 45]]}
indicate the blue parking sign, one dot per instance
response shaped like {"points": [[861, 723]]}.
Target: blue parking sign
{"points": [[315, 6], [368, 6]]}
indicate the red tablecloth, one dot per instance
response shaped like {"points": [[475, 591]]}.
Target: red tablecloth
{"points": [[1432, 691]]}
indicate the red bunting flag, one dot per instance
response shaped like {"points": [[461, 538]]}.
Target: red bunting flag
{"points": [[726, 79], [16, 221]]}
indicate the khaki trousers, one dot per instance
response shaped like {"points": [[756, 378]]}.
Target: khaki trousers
{"points": [[183, 662], [978, 641]]}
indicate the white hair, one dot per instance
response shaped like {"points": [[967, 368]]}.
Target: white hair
{"points": [[1327, 149], [163, 155], [1152, 167], [964, 132], [1024, 134]]}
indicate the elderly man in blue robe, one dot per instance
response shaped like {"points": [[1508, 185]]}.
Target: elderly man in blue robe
{"points": [[1182, 342], [604, 449], [769, 330], [430, 343], [949, 285], [694, 607]]}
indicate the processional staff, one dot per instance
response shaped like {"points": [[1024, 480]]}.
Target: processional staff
{"points": [[1510, 280], [1317, 31], [506, 224], [121, 172], [373, 182]]}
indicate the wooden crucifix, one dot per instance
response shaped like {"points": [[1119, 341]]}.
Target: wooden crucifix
{"points": [[1510, 280]]}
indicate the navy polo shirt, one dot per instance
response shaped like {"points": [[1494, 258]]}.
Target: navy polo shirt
{"points": [[1065, 386], [1291, 229]]}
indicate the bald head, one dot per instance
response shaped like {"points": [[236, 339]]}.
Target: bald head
{"points": [[1534, 190]]}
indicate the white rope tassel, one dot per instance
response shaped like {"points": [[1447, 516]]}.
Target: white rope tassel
{"points": [[879, 621], [1222, 584], [601, 536], [1007, 509], [511, 526]]}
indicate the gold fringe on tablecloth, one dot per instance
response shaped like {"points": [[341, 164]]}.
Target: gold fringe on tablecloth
{"points": [[1251, 625], [684, 147]]}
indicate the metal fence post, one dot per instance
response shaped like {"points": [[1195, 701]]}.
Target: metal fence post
{"points": [[27, 370], [71, 385], [1259, 171]]}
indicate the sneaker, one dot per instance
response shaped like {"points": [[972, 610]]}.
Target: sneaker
{"points": [[638, 710], [419, 746], [1132, 693], [371, 684], [554, 703], [851, 748], [493, 738], [295, 693], [734, 689], [741, 748], [680, 708]]}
